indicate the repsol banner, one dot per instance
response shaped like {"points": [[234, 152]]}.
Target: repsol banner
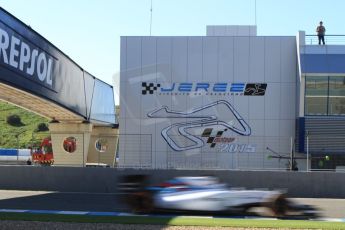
{"points": [[22, 56]]}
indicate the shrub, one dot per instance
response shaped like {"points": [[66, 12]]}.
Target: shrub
{"points": [[41, 127], [14, 120]]}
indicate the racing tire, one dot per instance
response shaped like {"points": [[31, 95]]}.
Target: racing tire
{"points": [[279, 206], [143, 203]]}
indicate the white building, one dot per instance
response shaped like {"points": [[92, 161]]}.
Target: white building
{"points": [[228, 100]]}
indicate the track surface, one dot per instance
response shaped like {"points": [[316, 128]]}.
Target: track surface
{"points": [[111, 202]]}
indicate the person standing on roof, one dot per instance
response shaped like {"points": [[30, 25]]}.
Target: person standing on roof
{"points": [[321, 33]]}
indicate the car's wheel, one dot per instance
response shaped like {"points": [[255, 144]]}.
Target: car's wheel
{"points": [[143, 203], [279, 206]]}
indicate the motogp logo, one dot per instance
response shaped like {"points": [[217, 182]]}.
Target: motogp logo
{"points": [[214, 137]]}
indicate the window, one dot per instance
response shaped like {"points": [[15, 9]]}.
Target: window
{"points": [[336, 102], [325, 95], [316, 95]]}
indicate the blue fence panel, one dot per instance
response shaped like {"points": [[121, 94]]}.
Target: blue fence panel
{"points": [[8, 152]]}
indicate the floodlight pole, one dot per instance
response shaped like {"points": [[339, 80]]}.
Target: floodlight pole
{"points": [[291, 160], [17, 136], [307, 151], [255, 12], [151, 18]]}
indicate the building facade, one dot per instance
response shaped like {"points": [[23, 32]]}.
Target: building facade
{"points": [[228, 100], [321, 118]]}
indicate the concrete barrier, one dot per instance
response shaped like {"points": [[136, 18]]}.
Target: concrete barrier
{"points": [[75, 179]]}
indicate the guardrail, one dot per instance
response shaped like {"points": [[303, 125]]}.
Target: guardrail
{"points": [[329, 39]]}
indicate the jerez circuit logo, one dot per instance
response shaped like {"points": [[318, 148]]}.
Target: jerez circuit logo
{"points": [[203, 88]]}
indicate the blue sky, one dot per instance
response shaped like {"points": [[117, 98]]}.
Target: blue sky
{"points": [[89, 30]]}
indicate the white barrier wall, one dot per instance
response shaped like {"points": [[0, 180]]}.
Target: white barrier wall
{"points": [[106, 180], [15, 155], [207, 102]]}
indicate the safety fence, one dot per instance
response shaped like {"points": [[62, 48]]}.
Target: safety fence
{"points": [[329, 39], [235, 153], [209, 151]]}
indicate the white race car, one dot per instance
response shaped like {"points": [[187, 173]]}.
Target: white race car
{"points": [[206, 195]]}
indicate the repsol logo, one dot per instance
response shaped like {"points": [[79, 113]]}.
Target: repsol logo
{"points": [[247, 89], [30, 60]]}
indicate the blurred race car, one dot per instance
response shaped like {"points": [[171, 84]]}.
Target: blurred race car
{"points": [[206, 195]]}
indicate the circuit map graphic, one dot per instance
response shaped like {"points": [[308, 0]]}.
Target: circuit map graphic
{"points": [[197, 120]]}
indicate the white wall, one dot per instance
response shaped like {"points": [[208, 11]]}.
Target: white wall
{"points": [[168, 60], [231, 30]]}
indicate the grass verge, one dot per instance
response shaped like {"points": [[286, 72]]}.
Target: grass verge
{"points": [[181, 221]]}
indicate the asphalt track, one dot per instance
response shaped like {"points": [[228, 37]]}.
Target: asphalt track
{"points": [[111, 202]]}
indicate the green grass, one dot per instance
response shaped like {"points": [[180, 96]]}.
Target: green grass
{"points": [[25, 133], [181, 221]]}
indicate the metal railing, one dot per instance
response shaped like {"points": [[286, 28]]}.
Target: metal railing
{"points": [[329, 39]]}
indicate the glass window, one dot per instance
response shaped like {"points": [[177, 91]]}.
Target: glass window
{"points": [[336, 101], [316, 95]]}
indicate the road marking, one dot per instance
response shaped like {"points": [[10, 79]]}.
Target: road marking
{"points": [[13, 210], [333, 219], [152, 215], [94, 193], [34, 193], [72, 212]]}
